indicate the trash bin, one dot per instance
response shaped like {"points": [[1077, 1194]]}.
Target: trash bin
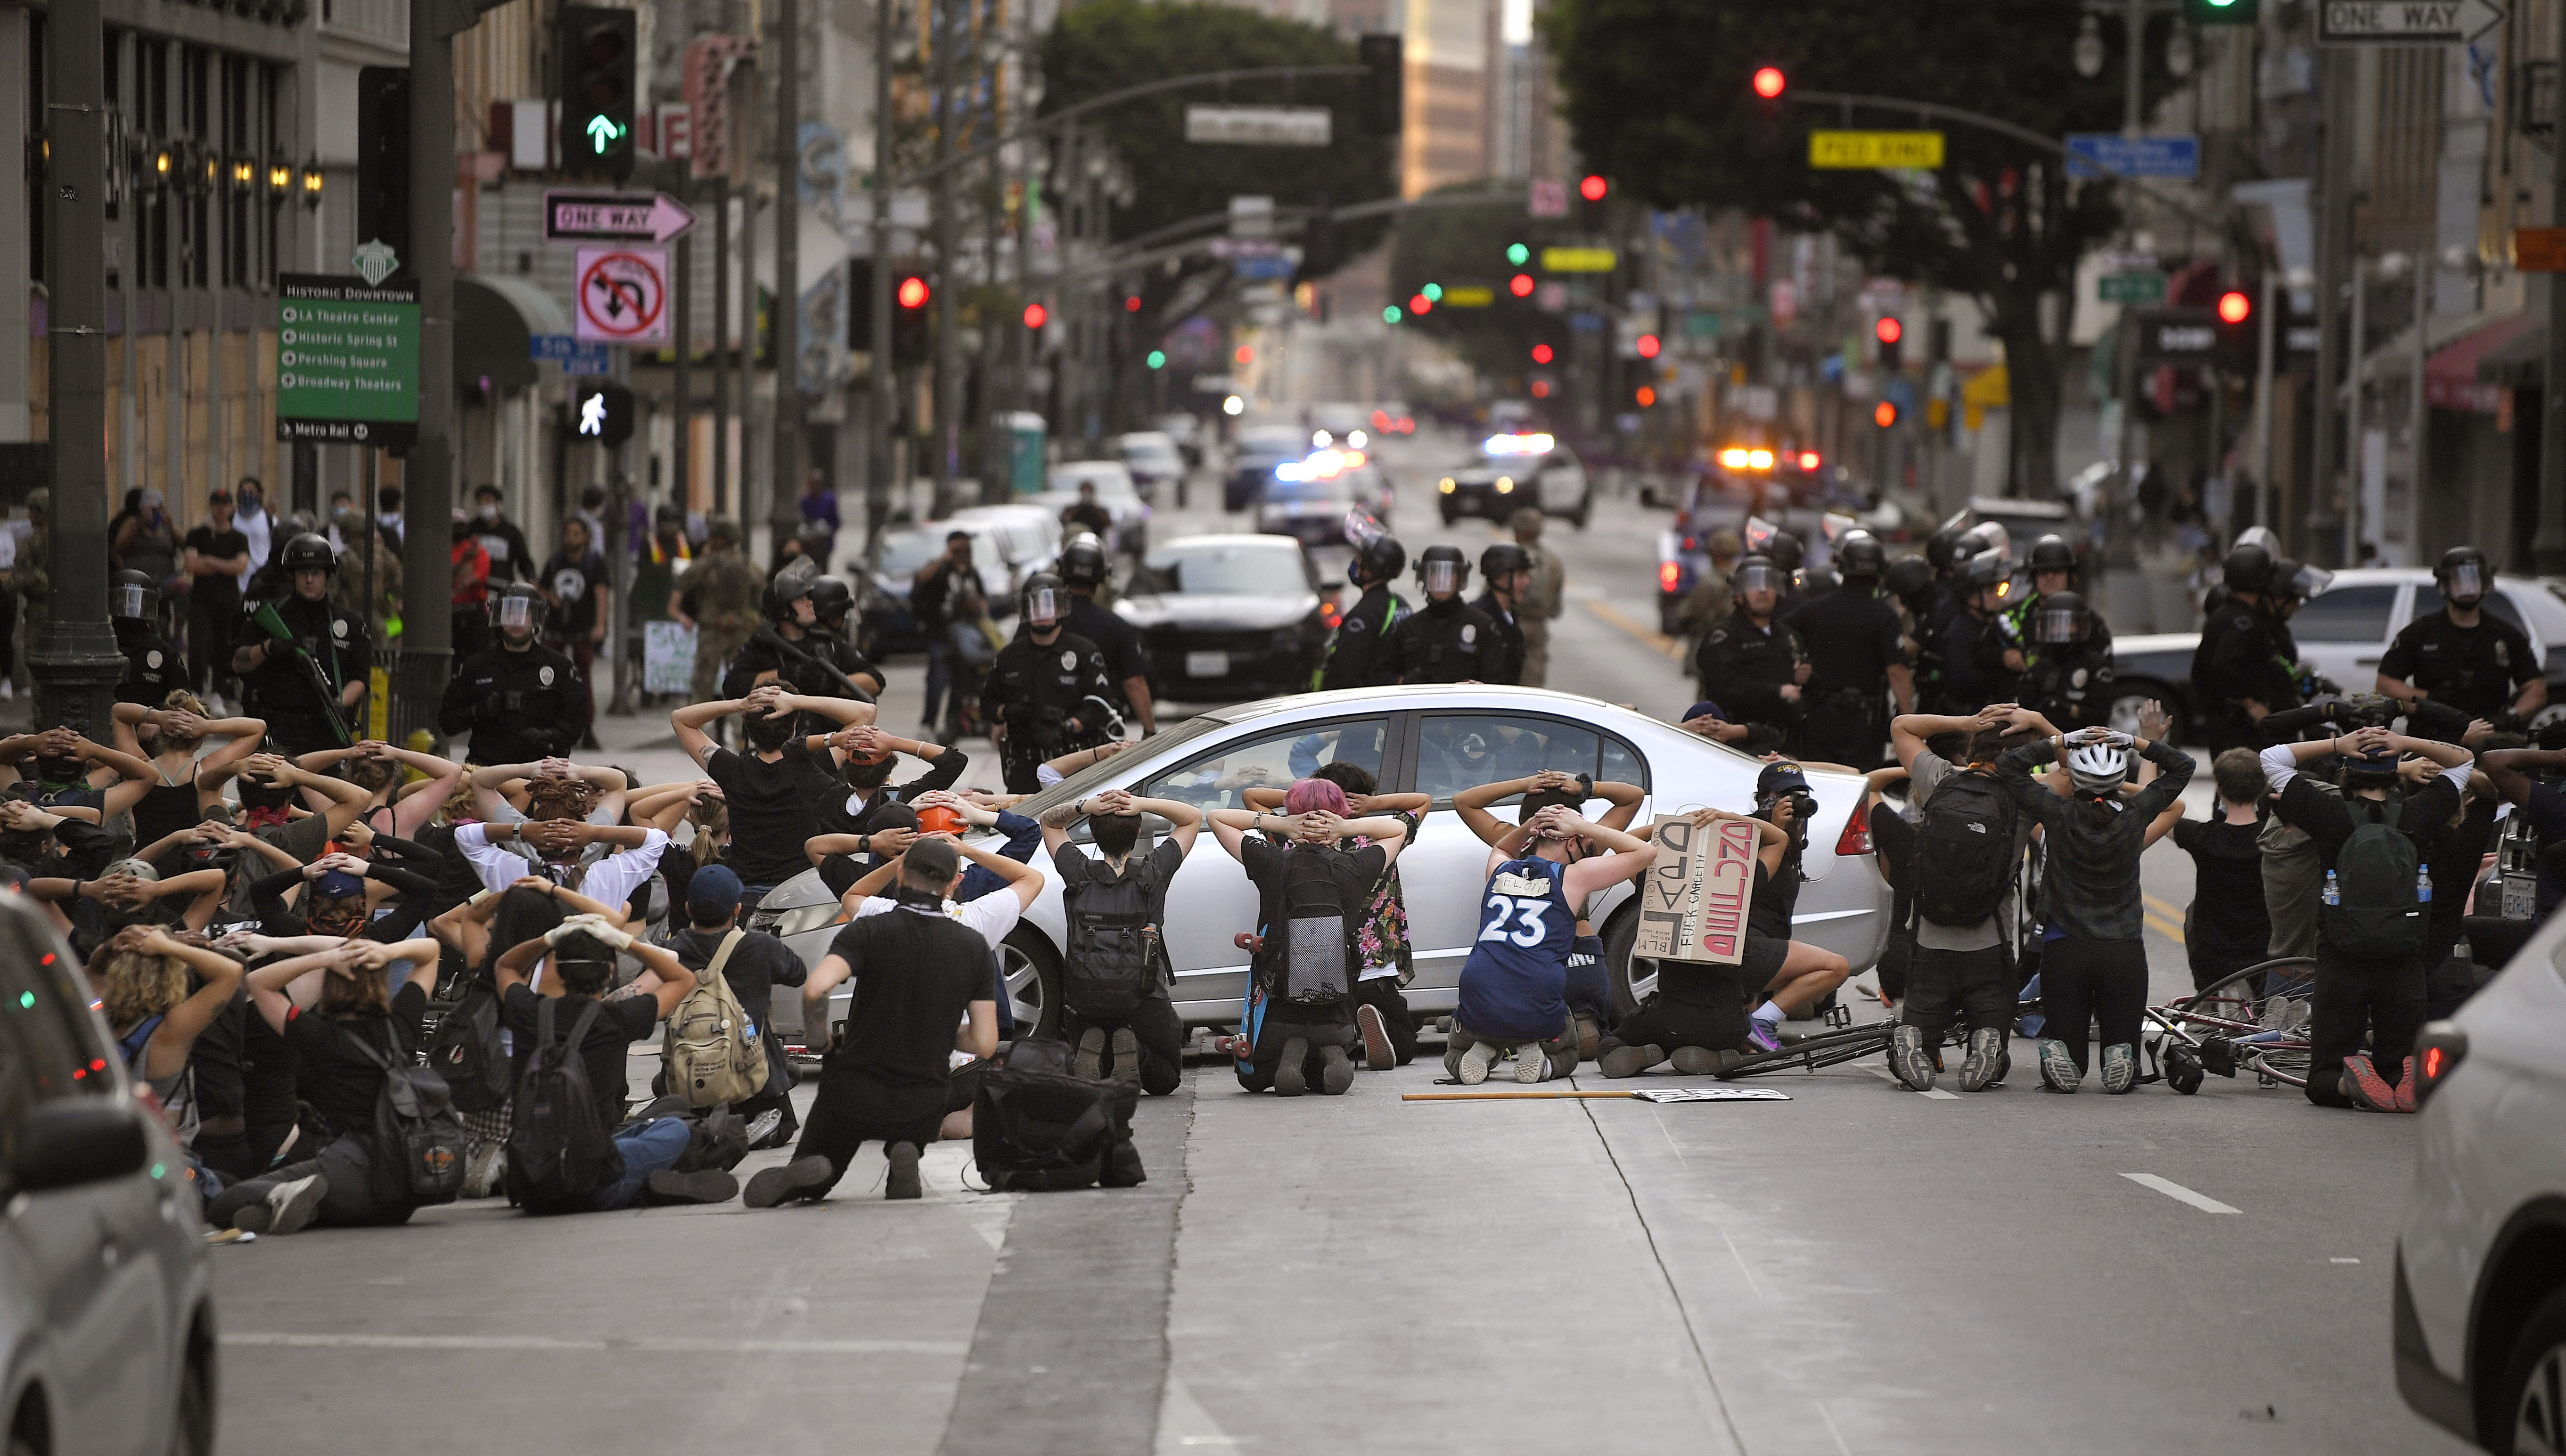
{"points": [[1025, 452]]}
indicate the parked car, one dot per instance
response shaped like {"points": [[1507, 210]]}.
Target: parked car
{"points": [[110, 1344], [1030, 536], [1516, 470], [1156, 465], [1430, 739], [888, 625], [1260, 448], [2343, 633], [1225, 617], [1114, 490], [2480, 1314]]}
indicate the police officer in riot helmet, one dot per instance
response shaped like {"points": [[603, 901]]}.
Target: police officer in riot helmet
{"points": [[1046, 694], [838, 624], [153, 668], [807, 613], [1971, 651], [1447, 640], [1753, 662], [1787, 555], [522, 701], [2053, 571], [283, 644], [1505, 571], [1857, 656], [2070, 681], [2242, 669], [1358, 651], [1127, 663], [2465, 656]]}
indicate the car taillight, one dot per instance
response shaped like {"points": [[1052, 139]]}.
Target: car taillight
{"points": [[1669, 575], [1329, 614], [2438, 1051], [1856, 838]]}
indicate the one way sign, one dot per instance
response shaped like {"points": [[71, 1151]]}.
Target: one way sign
{"points": [[2406, 22], [614, 218]]}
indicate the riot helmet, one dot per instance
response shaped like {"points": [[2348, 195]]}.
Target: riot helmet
{"points": [[517, 611], [1943, 552], [2461, 575], [1045, 602], [1502, 560], [2296, 581], [1756, 574], [308, 552], [1082, 562], [1442, 571], [1378, 555], [1909, 577], [2248, 568], [1786, 553], [790, 586], [831, 600], [2052, 554], [1861, 557], [132, 594], [2060, 619]]}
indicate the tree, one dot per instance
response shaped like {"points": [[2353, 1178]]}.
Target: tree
{"points": [[1659, 99]]}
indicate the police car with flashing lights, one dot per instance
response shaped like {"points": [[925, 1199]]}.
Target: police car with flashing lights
{"points": [[1511, 471]]}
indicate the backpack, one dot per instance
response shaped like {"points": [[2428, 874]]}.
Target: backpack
{"points": [[1036, 1131], [713, 1054], [1113, 962], [560, 1151], [1964, 853], [1314, 960], [2379, 917], [418, 1145], [467, 1051]]}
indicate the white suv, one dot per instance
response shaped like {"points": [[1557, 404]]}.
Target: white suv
{"points": [[2480, 1312]]}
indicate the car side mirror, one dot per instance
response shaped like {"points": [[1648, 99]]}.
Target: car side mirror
{"points": [[76, 1140]]}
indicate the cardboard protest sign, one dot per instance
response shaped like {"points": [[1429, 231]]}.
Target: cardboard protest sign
{"points": [[1693, 900]]}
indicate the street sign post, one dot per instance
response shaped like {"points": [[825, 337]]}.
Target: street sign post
{"points": [[2146, 290], [623, 295], [614, 218], [2111, 154], [1578, 260], [1873, 151], [567, 350], [346, 361], [1258, 126], [2407, 22]]}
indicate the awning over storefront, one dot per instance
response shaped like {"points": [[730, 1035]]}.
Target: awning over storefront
{"points": [[2514, 361], [2451, 380], [495, 321]]}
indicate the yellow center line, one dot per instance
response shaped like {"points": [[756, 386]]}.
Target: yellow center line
{"points": [[2164, 907], [2169, 929], [1655, 640]]}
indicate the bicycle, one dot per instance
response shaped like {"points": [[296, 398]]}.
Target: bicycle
{"points": [[2254, 1018]]}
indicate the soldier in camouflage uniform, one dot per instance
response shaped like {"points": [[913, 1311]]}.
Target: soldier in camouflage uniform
{"points": [[348, 587], [720, 597]]}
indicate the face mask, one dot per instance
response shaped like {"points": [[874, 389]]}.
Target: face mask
{"points": [[490, 512]]}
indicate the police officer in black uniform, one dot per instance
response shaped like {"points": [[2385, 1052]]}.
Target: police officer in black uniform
{"points": [[1909, 586], [1751, 662], [2243, 667], [277, 682], [1505, 570], [1785, 551], [2070, 681], [2463, 657], [793, 616], [1357, 655], [1447, 640], [1127, 663], [153, 668], [1971, 653], [1855, 648], [832, 603], [1046, 694], [522, 700]]}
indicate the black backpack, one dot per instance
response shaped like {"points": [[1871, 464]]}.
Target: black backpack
{"points": [[1311, 958], [1037, 1131], [467, 1050], [1964, 852], [2379, 917], [559, 1150], [418, 1145], [1112, 945]]}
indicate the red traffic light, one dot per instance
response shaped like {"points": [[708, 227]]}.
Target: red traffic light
{"points": [[1890, 329], [1244, 355], [1036, 315], [2234, 308], [1646, 397], [1541, 388], [1884, 415], [1520, 285], [1131, 302], [1541, 354], [913, 292], [1768, 82], [1648, 346], [1419, 304], [1593, 189]]}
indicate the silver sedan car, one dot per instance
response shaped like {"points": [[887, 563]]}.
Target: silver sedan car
{"points": [[1435, 740]]}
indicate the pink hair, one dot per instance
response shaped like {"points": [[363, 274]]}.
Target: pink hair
{"points": [[1315, 794]]}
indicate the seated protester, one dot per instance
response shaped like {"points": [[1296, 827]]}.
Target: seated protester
{"points": [[1514, 992], [1590, 994], [776, 788], [2225, 926], [920, 971], [66, 771], [2092, 963], [849, 815], [486, 924], [1054, 769], [697, 803], [352, 1005], [1808, 975], [1117, 999], [51, 846], [580, 953], [558, 832], [2516, 774], [171, 739], [1705, 719], [754, 967], [1382, 1021], [142, 978], [2457, 856], [2370, 933], [130, 893], [331, 896], [376, 767], [1696, 1017], [505, 794], [1310, 901], [273, 790]]}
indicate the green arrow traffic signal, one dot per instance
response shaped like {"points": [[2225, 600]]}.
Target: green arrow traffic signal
{"points": [[603, 132]]}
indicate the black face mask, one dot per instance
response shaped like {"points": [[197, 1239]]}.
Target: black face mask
{"points": [[924, 900]]}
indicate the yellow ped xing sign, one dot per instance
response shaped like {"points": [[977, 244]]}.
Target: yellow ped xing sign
{"points": [[1577, 260], [1872, 150]]}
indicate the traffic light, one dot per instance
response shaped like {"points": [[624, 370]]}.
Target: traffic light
{"points": [[1542, 354], [1643, 396], [1389, 313], [1036, 315], [1884, 415], [1517, 254], [1157, 358], [1521, 285], [2222, 12], [1888, 332], [1591, 192], [908, 319], [859, 303], [601, 411], [2240, 347], [1648, 346], [1385, 63], [1419, 304], [383, 157], [596, 47], [1769, 83]]}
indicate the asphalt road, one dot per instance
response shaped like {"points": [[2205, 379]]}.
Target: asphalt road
{"points": [[1858, 1269]]}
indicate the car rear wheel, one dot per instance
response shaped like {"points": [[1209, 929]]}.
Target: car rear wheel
{"points": [[1032, 973], [2533, 1403], [1632, 978], [2130, 699], [1451, 516]]}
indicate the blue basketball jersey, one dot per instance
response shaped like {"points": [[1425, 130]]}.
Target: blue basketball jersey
{"points": [[1514, 983]]}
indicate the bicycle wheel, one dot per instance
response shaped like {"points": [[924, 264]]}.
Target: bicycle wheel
{"points": [[2262, 1010], [1813, 1053]]}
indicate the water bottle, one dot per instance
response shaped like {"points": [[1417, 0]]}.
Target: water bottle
{"points": [[2423, 884], [2332, 890]]}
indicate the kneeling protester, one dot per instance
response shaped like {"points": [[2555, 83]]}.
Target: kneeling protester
{"points": [[1514, 986]]}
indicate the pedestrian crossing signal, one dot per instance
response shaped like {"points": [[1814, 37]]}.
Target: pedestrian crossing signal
{"points": [[601, 411]]}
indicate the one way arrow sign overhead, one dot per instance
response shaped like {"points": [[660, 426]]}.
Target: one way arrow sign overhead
{"points": [[614, 218], [2407, 22]]}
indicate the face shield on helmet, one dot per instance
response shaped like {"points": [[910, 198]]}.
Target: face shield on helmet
{"points": [[1441, 578], [130, 599], [2465, 583], [2298, 579], [2058, 623], [1758, 576], [513, 613], [1045, 606]]}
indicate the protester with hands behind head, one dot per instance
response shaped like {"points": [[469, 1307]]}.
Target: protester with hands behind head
{"points": [[1587, 990], [1698, 1016], [1117, 1002], [141, 980], [776, 787], [1382, 1021], [1513, 990]]}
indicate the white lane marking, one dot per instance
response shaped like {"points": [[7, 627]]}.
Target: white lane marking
{"points": [[541, 1343], [2179, 1193], [1885, 1074], [2343, 1261], [1184, 1424], [1743, 1266], [1829, 1417]]}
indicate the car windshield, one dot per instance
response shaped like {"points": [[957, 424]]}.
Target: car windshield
{"points": [[1233, 568], [1272, 441], [1079, 785], [906, 554]]}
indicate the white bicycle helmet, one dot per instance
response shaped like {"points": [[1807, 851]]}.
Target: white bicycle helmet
{"points": [[2097, 768]]}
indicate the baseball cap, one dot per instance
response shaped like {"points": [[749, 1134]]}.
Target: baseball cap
{"points": [[712, 892], [339, 884], [1781, 778], [1703, 709]]}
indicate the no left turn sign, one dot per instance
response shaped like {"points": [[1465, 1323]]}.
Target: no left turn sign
{"points": [[624, 295]]}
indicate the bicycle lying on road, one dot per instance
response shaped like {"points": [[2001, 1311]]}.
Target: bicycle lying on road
{"points": [[2257, 1017]]}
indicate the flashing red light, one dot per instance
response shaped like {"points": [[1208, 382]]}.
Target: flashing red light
{"points": [[1889, 330], [2433, 1057], [1670, 576], [1541, 354], [913, 292], [1036, 315], [1648, 346], [1419, 304], [1808, 459], [1884, 415], [1768, 82], [1541, 388], [1520, 285], [1593, 189], [1244, 355], [2234, 308], [1131, 302], [1646, 397]]}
